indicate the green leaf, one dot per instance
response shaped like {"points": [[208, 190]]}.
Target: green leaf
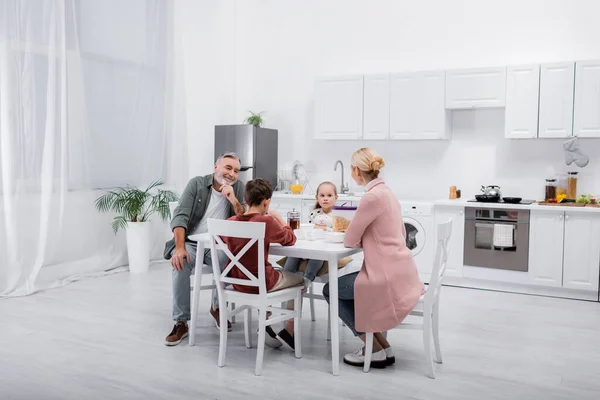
{"points": [[118, 223], [136, 205]]}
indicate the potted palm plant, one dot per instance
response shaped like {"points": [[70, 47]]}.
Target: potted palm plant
{"points": [[134, 207]]}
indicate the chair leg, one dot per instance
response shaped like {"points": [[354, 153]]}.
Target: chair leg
{"points": [[427, 336], [195, 303], [233, 316], [368, 351], [436, 333], [328, 325], [223, 314], [311, 302], [297, 321], [247, 326], [262, 322]]}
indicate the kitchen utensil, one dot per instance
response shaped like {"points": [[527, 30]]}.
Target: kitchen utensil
{"points": [[486, 198], [550, 192], [572, 185], [293, 219], [512, 200], [491, 190], [297, 187], [453, 194], [561, 204]]}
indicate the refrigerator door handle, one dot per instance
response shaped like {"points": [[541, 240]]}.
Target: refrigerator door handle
{"points": [[245, 168]]}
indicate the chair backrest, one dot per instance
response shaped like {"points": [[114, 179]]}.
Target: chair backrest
{"points": [[172, 206], [444, 231], [255, 233]]}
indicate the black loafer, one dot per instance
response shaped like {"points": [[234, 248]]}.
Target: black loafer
{"points": [[286, 339]]}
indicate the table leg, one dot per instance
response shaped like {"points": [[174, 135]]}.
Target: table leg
{"points": [[334, 315], [196, 292]]}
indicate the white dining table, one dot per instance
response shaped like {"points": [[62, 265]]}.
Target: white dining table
{"points": [[309, 249]]}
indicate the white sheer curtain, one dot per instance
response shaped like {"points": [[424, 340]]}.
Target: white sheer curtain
{"points": [[90, 98]]}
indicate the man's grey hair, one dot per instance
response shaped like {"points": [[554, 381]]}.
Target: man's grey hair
{"points": [[228, 154]]}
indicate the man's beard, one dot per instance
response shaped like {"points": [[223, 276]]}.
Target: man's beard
{"points": [[221, 180]]}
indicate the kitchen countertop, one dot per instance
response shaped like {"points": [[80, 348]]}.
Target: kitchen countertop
{"points": [[534, 206], [309, 196]]}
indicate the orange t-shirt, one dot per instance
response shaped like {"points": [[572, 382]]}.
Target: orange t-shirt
{"points": [[274, 233]]}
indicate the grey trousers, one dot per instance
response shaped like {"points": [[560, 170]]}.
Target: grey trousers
{"points": [[181, 283]]}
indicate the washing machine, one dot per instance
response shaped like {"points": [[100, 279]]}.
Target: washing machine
{"points": [[420, 234]]}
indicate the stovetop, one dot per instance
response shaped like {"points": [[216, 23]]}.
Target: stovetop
{"points": [[523, 202]]}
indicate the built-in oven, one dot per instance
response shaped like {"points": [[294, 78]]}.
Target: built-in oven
{"points": [[497, 238]]}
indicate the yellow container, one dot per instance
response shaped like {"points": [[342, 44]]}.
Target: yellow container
{"points": [[296, 188]]}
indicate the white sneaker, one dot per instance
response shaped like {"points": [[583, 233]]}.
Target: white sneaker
{"points": [[357, 359], [271, 338], [389, 356]]}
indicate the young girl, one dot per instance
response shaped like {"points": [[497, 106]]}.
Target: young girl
{"points": [[322, 219]]}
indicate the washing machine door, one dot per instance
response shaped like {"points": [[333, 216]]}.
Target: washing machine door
{"points": [[415, 235]]}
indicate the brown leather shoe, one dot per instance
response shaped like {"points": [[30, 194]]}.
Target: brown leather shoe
{"points": [[179, 332], [215, 314]]}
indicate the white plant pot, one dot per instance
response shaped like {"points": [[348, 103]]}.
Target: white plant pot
{"points": [[138, 246]]}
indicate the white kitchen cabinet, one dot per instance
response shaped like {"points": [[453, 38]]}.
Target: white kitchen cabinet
{"points": [[586, 115], [339, 107], [556, 100], [546, 237], [522, 101], [456, 246], [402, 105], [376, 118], [417, 108], [480, 87], [581, 262]]}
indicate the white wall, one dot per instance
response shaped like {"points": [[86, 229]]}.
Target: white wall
{"points": [[206, 29], [280, 46]]}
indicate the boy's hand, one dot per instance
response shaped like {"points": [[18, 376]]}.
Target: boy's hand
{"points": [[277, 217]]}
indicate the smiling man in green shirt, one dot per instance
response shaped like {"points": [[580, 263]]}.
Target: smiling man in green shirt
{"points": [[218, 195]]}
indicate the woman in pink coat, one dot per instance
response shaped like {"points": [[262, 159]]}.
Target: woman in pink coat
{"points": [[387, 288]]}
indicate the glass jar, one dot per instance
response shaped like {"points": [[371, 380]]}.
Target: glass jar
{"points": [[572, 185], [561, 187], [293, 219], [550, 189]]}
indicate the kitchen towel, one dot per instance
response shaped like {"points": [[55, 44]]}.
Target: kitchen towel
{"points": [[573, 153], [504, 235]]}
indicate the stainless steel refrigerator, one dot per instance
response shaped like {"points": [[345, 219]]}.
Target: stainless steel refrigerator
{"points": [[257, 148]]}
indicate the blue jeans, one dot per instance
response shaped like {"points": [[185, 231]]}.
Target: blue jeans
{"points": [[346, 300], [312, 267], [181, 283]]}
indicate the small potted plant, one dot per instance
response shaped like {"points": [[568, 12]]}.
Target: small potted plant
{"points": [[134, 207], [255, 119]]}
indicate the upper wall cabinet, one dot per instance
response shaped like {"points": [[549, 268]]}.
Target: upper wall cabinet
{"points": [[417, 110], [481, 88], [586, 117], [376, 118], [522, 100], [556, 100], [339, 107]]}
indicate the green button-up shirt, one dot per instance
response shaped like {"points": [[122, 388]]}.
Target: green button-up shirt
{"points": [[192, 206]]}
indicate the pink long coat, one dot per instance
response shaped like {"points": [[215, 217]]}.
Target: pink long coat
{"points": [[388, 286]]}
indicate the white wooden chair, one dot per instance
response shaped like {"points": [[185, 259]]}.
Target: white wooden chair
{"points": [[263, 301], [196, 282], [428, 306]]}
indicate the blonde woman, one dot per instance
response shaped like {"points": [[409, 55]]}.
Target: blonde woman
{"points": [[385, 290]]}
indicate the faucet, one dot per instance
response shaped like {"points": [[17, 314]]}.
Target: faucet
{"points": [[344, 188]]}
